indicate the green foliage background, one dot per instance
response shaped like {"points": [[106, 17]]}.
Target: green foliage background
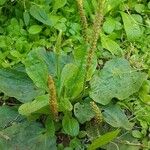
{"points": [[44, 37]]}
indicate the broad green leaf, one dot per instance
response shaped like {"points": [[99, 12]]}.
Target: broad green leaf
{"points": [[83, 112], [137, 18], [137, 134], [144, 97], [16, 54], [71, 74], [17, 84], [65, 105], [140, 8], [70, 125], [3, 44], [35, 29], [92, 68], [132, 28], [59, 3], [118, 25], [40, 15], [49, 58], [116, 80], [50, 127], [2, 2], [46, 61], [61, 26], [115, 116], [26, 136], [8, 115], [148, 5], [110, 45], [36, 68], [124, 146], [35, 106], [26, 17], [112, 4], [80, 56], [48, 2], [103, 140], [144, 93], [109, 25], [75, 143]]}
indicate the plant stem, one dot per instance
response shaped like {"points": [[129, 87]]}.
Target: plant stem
{"points": [[24, 4], [133, 144], [57, 50]]}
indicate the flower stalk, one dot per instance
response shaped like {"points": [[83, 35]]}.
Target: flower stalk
{"points": [[83, 19], [53, 98], [96, 32], [98, 115]]}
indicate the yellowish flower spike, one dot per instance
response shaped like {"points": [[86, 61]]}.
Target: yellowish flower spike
{"points": [[98, 115], [96, 31], [83, 19], [53, 98]]}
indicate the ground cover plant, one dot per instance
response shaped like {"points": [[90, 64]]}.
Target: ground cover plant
{"points": [[74, 74]]}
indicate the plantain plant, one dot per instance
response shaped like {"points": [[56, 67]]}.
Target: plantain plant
{"points": [[74, 86]]}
